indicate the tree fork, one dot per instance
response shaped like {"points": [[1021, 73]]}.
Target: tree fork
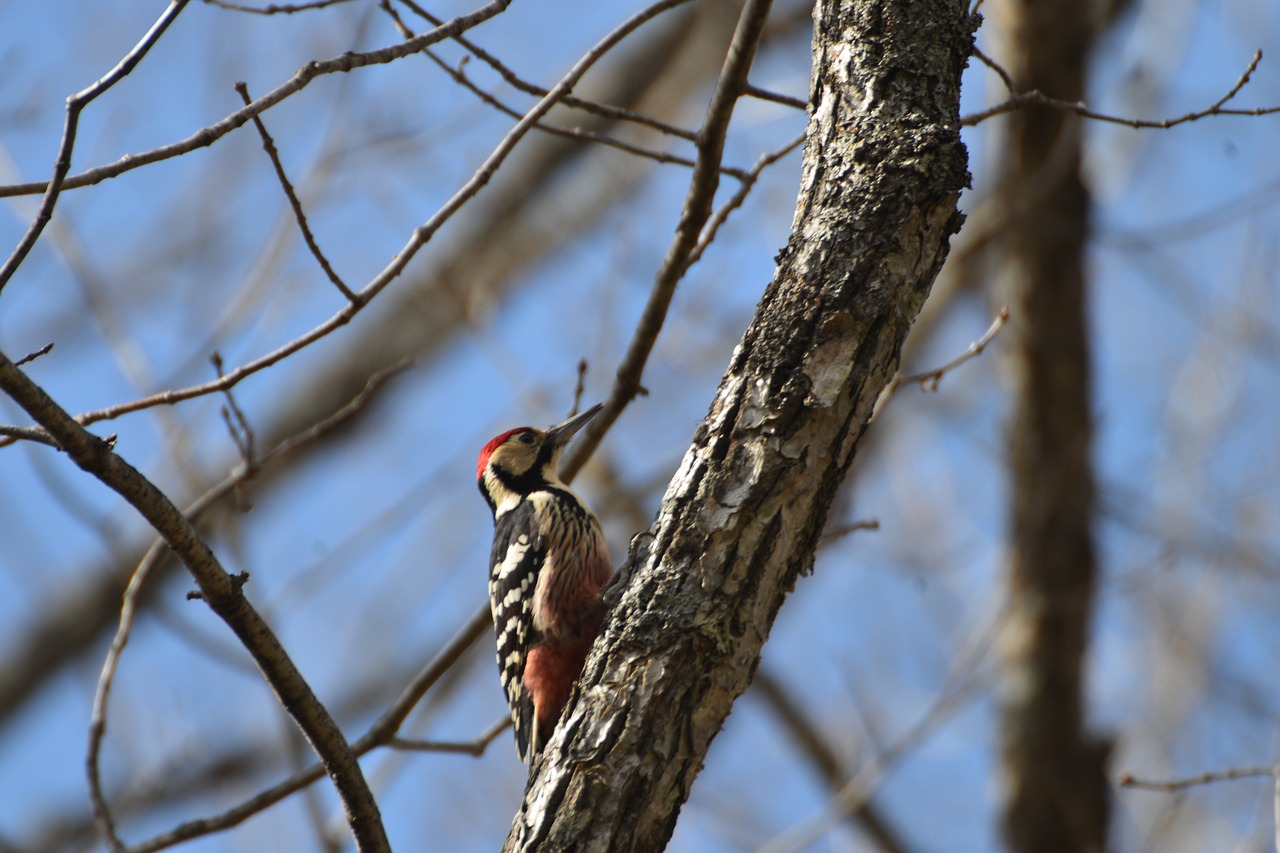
{"points": [[882, 173]]}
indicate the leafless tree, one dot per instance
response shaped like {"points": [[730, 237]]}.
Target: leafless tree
{"points": [[386, 232]]}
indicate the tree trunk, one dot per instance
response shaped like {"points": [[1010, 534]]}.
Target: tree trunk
{"points": [[694, 603], [1054, 773]]}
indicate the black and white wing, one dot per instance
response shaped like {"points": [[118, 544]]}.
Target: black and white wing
{"points": [[519, 551]]}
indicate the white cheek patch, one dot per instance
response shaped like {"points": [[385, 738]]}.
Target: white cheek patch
{"points": [[504, 500]]}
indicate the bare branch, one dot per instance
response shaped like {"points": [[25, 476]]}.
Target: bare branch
{"points": [[842, 530], [379, 734], [300, 80], [580, 386], [220, 591], [929, 380], [775, 97], [1128, 781], [273, 9], [98, 719], [97, 726], [1017, 100], [697, 209], [238, 426], [269, 145], [62, 162], [19, 433], [604, 110], [736, 200], [421, 235], [1004, 76], [459, 77], [32, 356], [472, 747]]}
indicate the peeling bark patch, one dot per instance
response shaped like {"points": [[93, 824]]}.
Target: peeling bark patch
{"points": [[745, 466], [828, 369]]}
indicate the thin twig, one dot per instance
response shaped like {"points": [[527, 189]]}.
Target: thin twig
{"points": [[930, 379], [775, 97], [269, 145], [736, 201], [697, 210], [273, 9], [32, 356], [579, 387], [471, 747], [842, 530], [237, 423], [62, 162], [300, 80], [1018, 100], [1004, 76], [35, 434], [241, 435], [577, 134], [98, 721], [237, 435], [20, 433], [1128, 781], [419, 238], [604, 110]]}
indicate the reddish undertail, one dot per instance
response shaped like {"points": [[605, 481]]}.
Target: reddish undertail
{"points": [[552, 666]]}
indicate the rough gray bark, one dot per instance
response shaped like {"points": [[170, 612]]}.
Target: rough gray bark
{"points": [[882, 173], [1054, 772]]}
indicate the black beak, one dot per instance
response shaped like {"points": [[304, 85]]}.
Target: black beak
{"points": [[560, 434]]}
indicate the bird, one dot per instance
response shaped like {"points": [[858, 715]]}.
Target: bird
{"points": [[549, 566]]}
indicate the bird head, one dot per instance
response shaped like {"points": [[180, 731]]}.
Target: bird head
{"points": [[523, 460]]}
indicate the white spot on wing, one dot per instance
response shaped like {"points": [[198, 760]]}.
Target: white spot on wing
{"points": [[515, 555]]}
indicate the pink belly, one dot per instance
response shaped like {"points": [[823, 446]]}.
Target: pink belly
{"points": [[549, 673]]}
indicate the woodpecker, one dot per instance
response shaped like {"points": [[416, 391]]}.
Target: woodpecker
{"points": [[548, 568]]}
